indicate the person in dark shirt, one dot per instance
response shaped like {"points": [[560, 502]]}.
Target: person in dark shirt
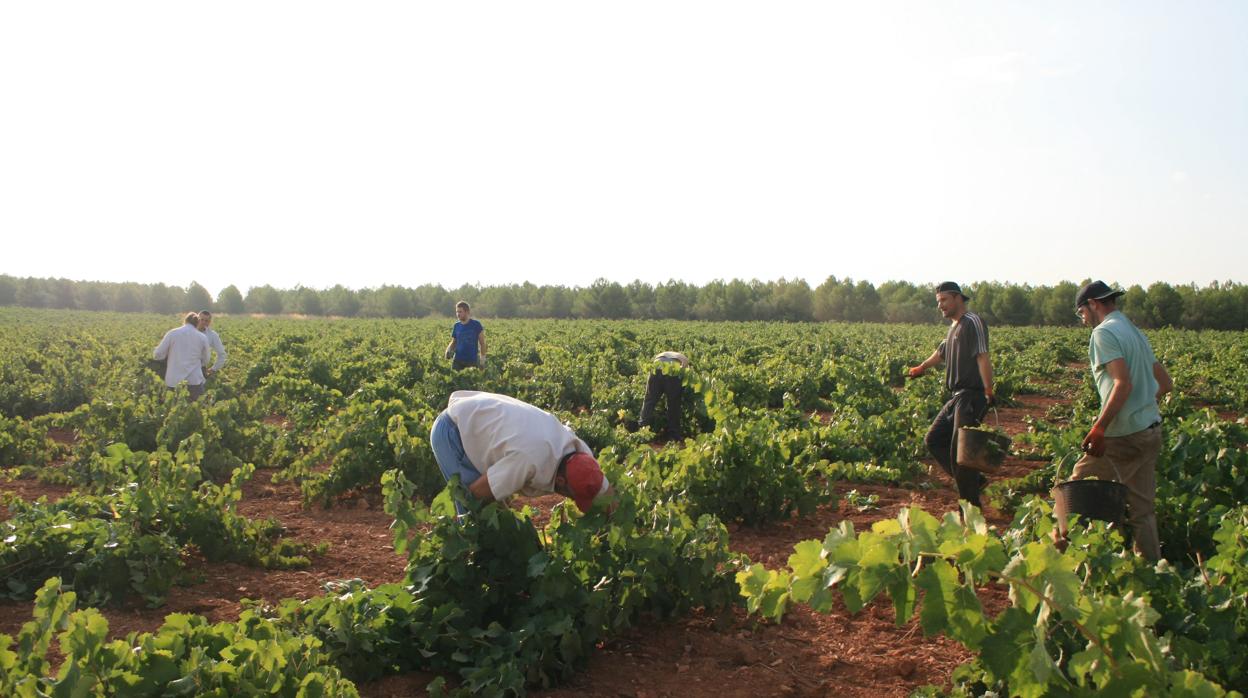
{"points": [[467, 346], [968, 376], [665, 383]]}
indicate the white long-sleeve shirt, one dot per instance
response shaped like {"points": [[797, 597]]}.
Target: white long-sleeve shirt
{"points": [[515, 445], [214, 343], [186, 351]]}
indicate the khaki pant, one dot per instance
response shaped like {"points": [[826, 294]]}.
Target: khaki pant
{"points": [[1131, 460]]}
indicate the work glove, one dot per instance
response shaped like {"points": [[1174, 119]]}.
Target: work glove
{"points": [[481, 361], [1094, 442], [991, 400], [450, 353], [915, 371]]}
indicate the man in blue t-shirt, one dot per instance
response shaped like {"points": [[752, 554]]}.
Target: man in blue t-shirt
{"points": [[467, 346]]}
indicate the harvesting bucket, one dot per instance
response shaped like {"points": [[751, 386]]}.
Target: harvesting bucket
{"points": [[982, 450], [1101, 500]]}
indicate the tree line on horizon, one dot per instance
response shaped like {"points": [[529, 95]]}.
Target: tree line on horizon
{"points": [[1222, 306]]}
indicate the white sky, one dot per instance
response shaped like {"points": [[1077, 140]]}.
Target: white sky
{"points": [[319, 143]]}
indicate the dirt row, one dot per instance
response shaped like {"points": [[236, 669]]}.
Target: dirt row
{"points": [[699, 656]]}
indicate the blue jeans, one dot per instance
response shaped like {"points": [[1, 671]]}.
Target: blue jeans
{"points": [[448, 450]]}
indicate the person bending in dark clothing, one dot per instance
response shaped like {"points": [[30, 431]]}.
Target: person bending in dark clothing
{"points": [[668, 384]]}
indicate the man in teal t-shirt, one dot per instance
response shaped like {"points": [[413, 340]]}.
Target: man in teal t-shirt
{"points": [[1125, 441]]}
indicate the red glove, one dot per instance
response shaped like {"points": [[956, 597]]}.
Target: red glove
{"points": [[1094, 442], [914, 372]]}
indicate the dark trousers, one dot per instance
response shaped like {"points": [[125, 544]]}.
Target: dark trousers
{"points": [[196, 391], [965, 409], [461, 365], [663, 384]]}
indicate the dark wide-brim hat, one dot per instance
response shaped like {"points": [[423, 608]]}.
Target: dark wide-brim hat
{"points": [[1096, 291], [951, 287]]}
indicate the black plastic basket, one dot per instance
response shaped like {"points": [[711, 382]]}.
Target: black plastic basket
{"points": [[1098, 500], [1101, 500]]}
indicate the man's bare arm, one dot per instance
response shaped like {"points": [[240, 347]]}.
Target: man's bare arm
{"points": [[930, 361], [1164, 382], [985, 372], [480, 488]]}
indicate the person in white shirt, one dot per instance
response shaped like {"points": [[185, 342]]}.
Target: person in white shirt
{"points": [[214, 341], [499, 446], [185, 350]]}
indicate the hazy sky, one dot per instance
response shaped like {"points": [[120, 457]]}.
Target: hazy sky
{"points": [[319, 143]]}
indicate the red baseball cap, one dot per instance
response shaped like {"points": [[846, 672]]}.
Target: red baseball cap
{"points": [[585, 479]]}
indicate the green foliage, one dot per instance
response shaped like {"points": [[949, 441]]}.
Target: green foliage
{"points": [[23, 443], [862, 502], [1217, 306], [600, 430], [1201, 477], [130, 539], [80, 540], [869, 473], [776, 414], [1061, 634], [363, 441], [503, 606], [185, 657], [746, 469]]}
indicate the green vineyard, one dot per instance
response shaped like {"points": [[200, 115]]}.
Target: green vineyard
{"points": [[802, 490]]}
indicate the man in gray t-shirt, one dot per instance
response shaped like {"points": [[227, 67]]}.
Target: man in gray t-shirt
{"points": [[968, 375]]}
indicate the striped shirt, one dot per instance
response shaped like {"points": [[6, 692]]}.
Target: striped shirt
{"points": [[967, 339]]}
